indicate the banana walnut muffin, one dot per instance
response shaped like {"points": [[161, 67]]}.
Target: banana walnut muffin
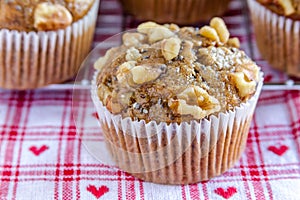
{"points": [[290, 8], [171, 74], [41, 15], [276, 27], [44, 41], [175, 104]]}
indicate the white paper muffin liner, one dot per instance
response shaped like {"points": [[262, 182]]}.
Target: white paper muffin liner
{"points": [[277, 37], [35, 59], [179, 12], [176, 153]]}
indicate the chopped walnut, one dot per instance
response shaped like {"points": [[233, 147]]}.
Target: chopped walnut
{"points": [[146, 73], [146, 27], [155, 32], [132, 54], [124, 71], [133, 39], [234, 42], [185, 109], [243, 84], [196, 102], [49, 16], [170, 48], [107, 58], [219, 25], [210, 33], [287, 6], [159, 33]]}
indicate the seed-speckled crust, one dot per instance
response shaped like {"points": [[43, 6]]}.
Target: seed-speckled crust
{"points": [[205, 77], [20, 15]]}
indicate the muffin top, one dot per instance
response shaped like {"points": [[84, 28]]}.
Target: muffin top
{"points": [[289, 8], [41, 15], [170, 74]]}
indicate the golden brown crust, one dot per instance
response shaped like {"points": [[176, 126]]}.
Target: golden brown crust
{"points": [[164, 73], [20, 15]]}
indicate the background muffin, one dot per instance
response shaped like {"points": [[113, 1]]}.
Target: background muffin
{"points": [[44, 42], [180, 12], [175, 104], [276, 27]]}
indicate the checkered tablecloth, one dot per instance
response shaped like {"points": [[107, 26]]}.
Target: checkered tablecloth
{"points": [[44, 156]]}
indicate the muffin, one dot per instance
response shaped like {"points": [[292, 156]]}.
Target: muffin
{"points": [[175, 104], [180, 12], [276, 27], [44, 42]]}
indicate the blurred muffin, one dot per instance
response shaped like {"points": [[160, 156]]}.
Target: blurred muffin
{"points": [[180, 12], [276, 27], [175, 104], [44, 42]]}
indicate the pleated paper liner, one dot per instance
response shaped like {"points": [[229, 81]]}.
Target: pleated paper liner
{"points": [[36, 59], [179, 12], [176, 153], [277, 37]]}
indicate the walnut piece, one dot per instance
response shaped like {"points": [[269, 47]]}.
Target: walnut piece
{"points": [[146, 73], [234, 42], [133, 39], [210, 33], [219, 25], [146, 27], [287, 6], [170, 48], [124, 70], [245, 86], [49, 16], [107, 58], [195, 101], [159, 33], [132, 54]]}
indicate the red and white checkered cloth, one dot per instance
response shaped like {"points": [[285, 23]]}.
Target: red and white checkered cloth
{"points": [[42, 156]]}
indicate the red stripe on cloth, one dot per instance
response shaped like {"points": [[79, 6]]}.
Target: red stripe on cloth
{"points": [[119, 185], [245, 182], [194, 192], [9, 148], [294, 103], [64, 115], [183, 193], [21, 108], [204, 190], [141, 188], [79, 132], [130, 188], [258, 184]]}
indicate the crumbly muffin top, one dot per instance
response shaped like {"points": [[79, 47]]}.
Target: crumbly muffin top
{"points": [[170, 74], [41, 15], [289, 8]]}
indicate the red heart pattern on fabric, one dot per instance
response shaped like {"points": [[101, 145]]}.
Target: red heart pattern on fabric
{"points": [[37, 151], [278, 150], [95, 114], [226, 194], [97, 192]]}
